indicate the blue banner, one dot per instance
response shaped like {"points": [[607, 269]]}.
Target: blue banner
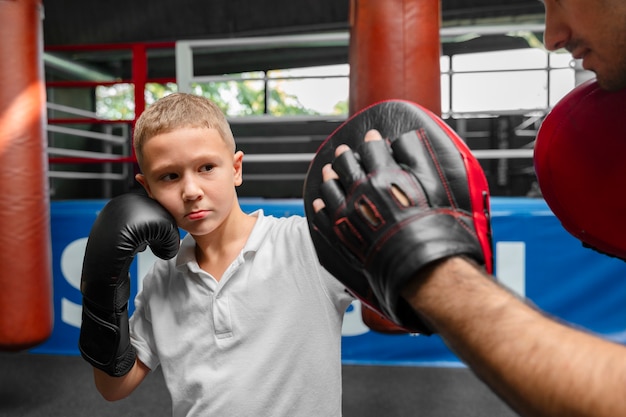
{"points": [[534, 256]]}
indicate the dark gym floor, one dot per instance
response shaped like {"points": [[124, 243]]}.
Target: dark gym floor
{"points": [[35, 385]]}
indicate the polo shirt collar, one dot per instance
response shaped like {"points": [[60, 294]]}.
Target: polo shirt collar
{"points": [[187, 253]]}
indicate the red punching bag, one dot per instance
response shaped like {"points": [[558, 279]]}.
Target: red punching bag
{"points": [[26, 313], [394, 53]]}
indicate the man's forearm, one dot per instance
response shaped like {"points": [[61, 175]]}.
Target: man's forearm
{"points": [[537, 365]]}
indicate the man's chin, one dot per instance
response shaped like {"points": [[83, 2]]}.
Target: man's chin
{"points": [[611, 83]]}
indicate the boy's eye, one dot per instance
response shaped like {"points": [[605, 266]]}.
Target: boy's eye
{"points": [[168, 177], [206, 168]]}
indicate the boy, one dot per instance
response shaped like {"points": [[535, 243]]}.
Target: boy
{"points": [[244, 321]]}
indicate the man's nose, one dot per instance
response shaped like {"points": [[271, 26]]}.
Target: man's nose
{"points": [[557, 32]]}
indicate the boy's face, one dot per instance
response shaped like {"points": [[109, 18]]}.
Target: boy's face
{"points": [[193, 174]]}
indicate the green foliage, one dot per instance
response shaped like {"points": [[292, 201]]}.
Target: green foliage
{"points": [[156, 91], [115, 102], [341, 107], [242, 97]]}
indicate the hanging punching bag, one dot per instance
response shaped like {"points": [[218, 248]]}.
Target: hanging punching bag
{"points": [[26, 315], [394, 53]]}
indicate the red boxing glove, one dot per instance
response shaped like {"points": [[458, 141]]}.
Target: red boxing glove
{"points": [[579, 162]]}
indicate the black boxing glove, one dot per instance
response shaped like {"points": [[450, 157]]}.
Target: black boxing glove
{"points": [[126, 225], [399, 206]]}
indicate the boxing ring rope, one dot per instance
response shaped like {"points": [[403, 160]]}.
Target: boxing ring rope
{"points": [[57, 155], [116, 149], [307, 157]]}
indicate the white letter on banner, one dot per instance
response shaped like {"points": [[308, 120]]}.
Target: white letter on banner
{"points": [[71, 268], [353, 322], [511, 265], [145, 260]]}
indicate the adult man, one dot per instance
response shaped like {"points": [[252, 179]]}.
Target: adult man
{"points": [[539, 366]]}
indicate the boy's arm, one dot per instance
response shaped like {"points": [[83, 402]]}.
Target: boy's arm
{"points": [[117, 388], [539, 366]]}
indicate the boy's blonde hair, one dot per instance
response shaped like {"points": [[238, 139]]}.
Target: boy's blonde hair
{"points": [[176, 111]]}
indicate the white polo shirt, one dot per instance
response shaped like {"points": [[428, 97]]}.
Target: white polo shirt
{"points": [[263, 341]]}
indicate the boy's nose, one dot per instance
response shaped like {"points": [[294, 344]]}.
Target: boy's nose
{"points": [[191, 190]]}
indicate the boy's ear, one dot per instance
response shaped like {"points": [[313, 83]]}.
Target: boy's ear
{"points": [[238, 167], [141, 179]]}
